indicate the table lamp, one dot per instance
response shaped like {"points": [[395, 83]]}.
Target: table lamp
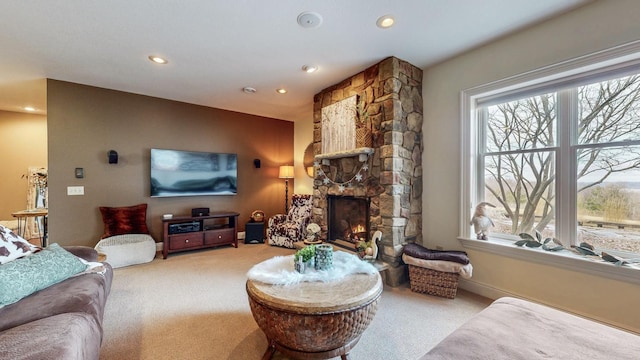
{"points": [[286, 173]]}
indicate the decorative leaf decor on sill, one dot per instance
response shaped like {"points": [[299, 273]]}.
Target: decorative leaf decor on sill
{"points": [[549, 244], [586, 249], [613, 259], [553, 244]]}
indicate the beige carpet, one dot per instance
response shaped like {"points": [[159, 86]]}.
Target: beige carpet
{"points": [[193, 305]]}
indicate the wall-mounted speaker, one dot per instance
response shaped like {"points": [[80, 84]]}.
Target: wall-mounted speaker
{"points": [[256, 163], [113, 156]]}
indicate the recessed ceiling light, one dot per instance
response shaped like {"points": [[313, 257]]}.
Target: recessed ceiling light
{"points": [[249, 90], [158, 59], [281, 91], [385, 21], [309, 68], [29, 108]]}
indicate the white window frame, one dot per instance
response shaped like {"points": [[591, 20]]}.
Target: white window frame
{"points": [[588, 66]]}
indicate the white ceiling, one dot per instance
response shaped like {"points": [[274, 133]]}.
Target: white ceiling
{"points": [[215, 48]]}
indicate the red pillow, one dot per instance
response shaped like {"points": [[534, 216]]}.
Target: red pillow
{"points": [[124, 220]]}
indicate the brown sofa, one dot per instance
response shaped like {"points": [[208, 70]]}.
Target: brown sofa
{"points": [[513, 329], [62, 321]]}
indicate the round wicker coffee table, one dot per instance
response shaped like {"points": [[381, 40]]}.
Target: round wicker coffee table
{"points": [[315, 320]]}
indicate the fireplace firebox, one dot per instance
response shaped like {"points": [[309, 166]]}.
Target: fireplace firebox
{"points": [[348, 219]]}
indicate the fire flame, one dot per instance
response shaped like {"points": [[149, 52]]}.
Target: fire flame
{"points": [[359, 229]]}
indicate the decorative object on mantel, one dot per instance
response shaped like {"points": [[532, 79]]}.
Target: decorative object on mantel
{"points": [[364, 136], [481, 221], [324, 257], [339, 125]]}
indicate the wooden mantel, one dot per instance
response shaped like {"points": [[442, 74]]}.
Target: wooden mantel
{"points": [[362, 152]]}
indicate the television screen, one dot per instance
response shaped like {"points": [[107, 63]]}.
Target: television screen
{"points": [[192, 173]]}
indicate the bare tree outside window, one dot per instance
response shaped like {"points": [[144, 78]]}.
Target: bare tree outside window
{"points": [[520, 150]]}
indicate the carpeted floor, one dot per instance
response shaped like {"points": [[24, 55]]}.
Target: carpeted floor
{"points": [[194, 305]]}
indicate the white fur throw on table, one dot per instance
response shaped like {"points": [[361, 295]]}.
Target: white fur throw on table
{"points": [[279, 270]]}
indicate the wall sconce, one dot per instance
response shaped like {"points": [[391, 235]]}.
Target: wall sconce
{"points": [[286, 173], [113, 156]]}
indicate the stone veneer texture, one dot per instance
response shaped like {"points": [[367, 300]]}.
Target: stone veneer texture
{"points": [[390, 111]]}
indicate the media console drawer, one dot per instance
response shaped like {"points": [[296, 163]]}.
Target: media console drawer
{"points": [[185, 241], [184, 233], [220, 236]]}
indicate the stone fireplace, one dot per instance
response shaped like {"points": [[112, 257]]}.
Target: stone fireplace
{"points": [[382, 167]]}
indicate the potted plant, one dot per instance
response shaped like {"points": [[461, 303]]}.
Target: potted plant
{"points": [[303, 258]]}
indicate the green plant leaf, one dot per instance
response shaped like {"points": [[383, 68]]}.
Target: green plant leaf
{"points": [[306, 253], [546, 240]]}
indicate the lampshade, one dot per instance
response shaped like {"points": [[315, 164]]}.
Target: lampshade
{"points": [[286, 172]]}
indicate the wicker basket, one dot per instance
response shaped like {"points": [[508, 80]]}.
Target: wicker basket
{"points": [[433, 282]]}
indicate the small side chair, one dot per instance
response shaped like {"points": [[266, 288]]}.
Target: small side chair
{"points": [[285, 230]]}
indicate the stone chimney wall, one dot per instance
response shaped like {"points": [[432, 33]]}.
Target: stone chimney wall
{"points": [[389, 121]]}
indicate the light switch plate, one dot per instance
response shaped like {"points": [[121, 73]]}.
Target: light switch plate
{"points": [[75, 190]]}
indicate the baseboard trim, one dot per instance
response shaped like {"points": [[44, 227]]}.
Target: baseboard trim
{"points": [[484, 289], [494, 293]]}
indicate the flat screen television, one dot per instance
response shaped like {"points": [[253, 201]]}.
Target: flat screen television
{"points": [[193, 173]]}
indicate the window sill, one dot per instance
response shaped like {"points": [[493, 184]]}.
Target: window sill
{"points": [[562, 259]]}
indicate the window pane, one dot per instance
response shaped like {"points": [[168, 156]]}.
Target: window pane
{"points": [[609, 111], [522, 124], [522, 186], [608, 208]]}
